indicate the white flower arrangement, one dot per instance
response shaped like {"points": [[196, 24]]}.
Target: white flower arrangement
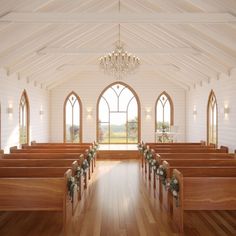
{"points": [[162, 174], [141, 147], [71, 187], [174, 188], [85, 165]]}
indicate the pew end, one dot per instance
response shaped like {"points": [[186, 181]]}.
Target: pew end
{"points": [[74, 200], [224, 148], [202, 143], [178, 211], [80, 181], [1, 153], [13, 148]]}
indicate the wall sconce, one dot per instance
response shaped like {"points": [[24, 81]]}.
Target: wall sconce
{"points": [[89, 113], [226, 110], [194, 112], [10, 110], [147, 113]]}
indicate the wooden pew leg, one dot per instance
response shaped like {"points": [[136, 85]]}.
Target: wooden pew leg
{"points": [[67, 215], [149, 172], [154, 180], [92, 165], [141, 159], [86, 180], [178, 215]]}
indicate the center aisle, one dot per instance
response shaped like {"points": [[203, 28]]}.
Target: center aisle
{"points": [[119, 201]]}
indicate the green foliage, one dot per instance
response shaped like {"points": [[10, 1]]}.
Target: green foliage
{"points": [[71, 187]]}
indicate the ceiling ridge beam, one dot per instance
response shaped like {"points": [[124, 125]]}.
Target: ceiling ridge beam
{"points": [[78, 51], [157, 18]]}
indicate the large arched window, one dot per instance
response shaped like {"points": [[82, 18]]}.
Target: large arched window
{"points": [[24, 118], [212, 119], [118, 115], [164, 112], [72, 119]]}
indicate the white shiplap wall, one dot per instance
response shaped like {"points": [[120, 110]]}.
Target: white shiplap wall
{"points": [[89, 88], [11, 89], [225, 92]]}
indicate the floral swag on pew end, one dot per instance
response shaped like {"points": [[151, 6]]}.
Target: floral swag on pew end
{"points": [[153, 165], [148, 155], [173, 186], [71, 187], [161, 172], [141, 148], [85, 166]]}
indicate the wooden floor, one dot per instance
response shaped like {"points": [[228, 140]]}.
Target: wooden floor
{"points": [[119, 201]]}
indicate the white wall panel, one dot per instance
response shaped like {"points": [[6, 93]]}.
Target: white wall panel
{"points": [[225, 91], [10, 93], [89, 88]]}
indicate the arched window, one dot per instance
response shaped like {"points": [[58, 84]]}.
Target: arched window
{"points": [[24, 119], [118, 115], [164, 112], [72, 119], [212, 119]]}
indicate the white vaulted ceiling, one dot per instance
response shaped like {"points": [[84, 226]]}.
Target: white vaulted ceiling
{"points": [[50, 41]]}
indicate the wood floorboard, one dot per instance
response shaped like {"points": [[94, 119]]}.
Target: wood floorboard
{"points": [[119, 201]]}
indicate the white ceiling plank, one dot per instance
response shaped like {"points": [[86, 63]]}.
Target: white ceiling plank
{"points": [[78, 51], [156, 18], [203, 45]]}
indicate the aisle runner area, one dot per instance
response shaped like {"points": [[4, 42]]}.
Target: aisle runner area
{"points": [[118, 203]]}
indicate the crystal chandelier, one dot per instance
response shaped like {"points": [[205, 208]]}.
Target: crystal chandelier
{"points": [[119, 62]]}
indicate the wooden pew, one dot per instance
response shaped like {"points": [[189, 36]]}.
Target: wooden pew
{"points": [[190, 150], [10, 162], [34, 143], [87, 147], [38, 150], [188, 157], [63, 151], [56, 146], [29, 155], [203, 193], [178, 143], [180, 151], [38, 172], [57, 157], [203, 149], [37, 194], [201, 170]]}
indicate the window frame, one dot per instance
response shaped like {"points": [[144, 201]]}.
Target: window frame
{"points": [[64, 117], [138, 111], [25, 96], [171, 109], [209, 106]]}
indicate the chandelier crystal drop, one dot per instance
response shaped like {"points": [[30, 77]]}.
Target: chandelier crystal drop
{"points": [[119, 62]]}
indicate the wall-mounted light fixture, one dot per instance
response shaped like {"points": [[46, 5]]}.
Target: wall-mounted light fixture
{"points": [[148, 113], [89, 113], [194, 112], [226, 110], [10, 110]]}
